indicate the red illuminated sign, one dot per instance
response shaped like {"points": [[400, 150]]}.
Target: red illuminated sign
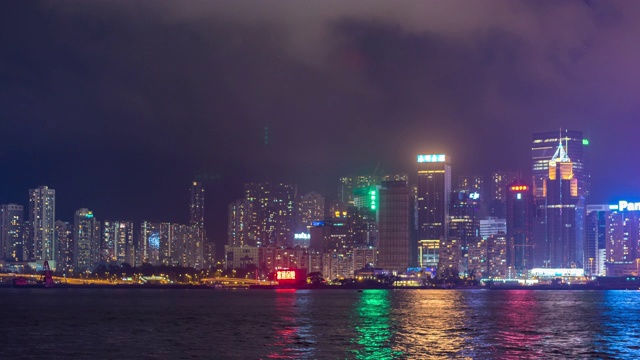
{"points": [[286, 275], [519, 188]]}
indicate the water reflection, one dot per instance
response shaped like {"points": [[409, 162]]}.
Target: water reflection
{"points": [[618, 336], [432, 324], [292, 338], [374, 329], [518, 334]]}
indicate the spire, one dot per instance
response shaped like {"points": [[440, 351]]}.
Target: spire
{"points": [[561, 154]]}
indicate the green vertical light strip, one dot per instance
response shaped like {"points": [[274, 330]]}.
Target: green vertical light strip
{"points": [[585, 141]]}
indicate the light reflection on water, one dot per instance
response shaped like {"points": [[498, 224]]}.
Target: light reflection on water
{"points": [[292, 335], [320, 324], [374, 330], [431, 325]]}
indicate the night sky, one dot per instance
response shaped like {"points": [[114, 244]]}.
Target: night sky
{"points": [[118, 105]]}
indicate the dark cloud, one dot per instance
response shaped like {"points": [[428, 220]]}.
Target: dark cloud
{"points": [[136, 98]]}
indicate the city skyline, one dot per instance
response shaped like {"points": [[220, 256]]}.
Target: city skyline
{"points": [[195, 212]]}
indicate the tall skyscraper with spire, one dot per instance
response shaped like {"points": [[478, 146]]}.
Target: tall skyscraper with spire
{"points": [[558, 234], [543, 148]]}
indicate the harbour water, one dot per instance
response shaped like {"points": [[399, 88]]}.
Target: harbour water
{"points": [[318, 324]]}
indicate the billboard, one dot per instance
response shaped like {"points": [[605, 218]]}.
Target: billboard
{"points": [[431, 158]]}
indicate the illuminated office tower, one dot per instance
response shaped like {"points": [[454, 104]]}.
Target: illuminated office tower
{"points": [[64, 241], [86, 241], [473, 184], [149, 244], [366, 202], [330, 236], [11, 239], [117, 242], [434, 191], [557, 238], [42, 215], [394, 224], [520, 214], [310, 209], [595, 239], [492, 226], [464, 223], [543, 148]]}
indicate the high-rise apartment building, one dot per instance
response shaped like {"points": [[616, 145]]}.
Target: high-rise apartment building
{"points": [[195, 236], [64, 244], [266, 215], [117, 242], [11, 239], [149, 244], [434, 191], [310, 208], [394, 224], [86, 241], [42, 215], [520, 214]]}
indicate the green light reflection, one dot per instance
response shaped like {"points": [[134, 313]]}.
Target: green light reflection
{"points": [[373, 326]]}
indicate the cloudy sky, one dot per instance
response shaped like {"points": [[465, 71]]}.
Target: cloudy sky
{"points": [[119, 104]]}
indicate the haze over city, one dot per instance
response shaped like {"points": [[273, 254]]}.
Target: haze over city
{"points": [[121, 115]]}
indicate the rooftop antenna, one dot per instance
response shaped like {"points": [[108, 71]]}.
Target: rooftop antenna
{"points": [[560, 154]]}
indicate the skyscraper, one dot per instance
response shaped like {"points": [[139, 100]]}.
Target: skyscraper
{"points": [[520, 213], [394, 224], [86, 241], [434, 191], [350, 183], [473, 184], [595, 239], [196, 235], [11, 239], [42, 215], [558, 243], [196, 205], [543, 148], [464, 223]]}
